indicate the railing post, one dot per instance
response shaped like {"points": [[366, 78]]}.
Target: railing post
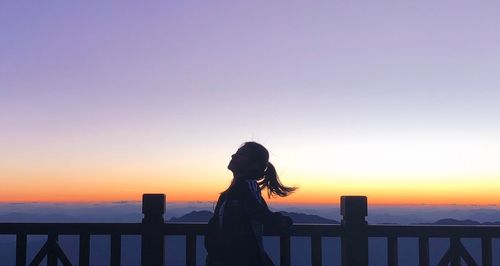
{"points": [[152, 241], [354, 243]]}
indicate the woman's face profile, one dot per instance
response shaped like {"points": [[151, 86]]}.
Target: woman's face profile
{"points": [[239, 161]]}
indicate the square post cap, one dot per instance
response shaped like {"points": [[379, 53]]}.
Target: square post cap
{"points": [[153, 204], [354, 208]]}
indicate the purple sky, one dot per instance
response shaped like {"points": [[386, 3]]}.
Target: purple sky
{"points": [[151, 87]]}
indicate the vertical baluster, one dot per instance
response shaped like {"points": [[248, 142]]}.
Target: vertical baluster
{"points": [[316, 250], [455, 255], [423, 251], [392, 251], [285, 251], [191, 250], [51, 254], [84, 256], [487, 258], [21, 249], [116, 249]]}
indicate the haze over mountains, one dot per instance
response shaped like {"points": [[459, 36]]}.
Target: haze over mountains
{"points": [[202, 211], [131, 212]]}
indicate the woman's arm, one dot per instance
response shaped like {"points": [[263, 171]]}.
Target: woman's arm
{"points": [[256, 208], [253, 204]]}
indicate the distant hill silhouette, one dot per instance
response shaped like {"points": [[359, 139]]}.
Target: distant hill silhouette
{"points": [[491, 223], [450, 221], [204, 216], [193, 217], [302, 218]]}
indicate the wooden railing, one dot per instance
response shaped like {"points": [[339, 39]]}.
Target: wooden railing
{"points": [[354, 233]]}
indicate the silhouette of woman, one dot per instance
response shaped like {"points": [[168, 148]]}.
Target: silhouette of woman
{"points": [[234, 234]]}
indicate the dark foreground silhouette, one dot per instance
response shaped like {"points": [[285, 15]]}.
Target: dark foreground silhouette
{"points": [[234, 233]]}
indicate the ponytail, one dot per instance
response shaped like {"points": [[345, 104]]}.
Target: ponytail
{"points": [[272, 182]]}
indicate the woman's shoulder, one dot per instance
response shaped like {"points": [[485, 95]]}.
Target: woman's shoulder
{"points": [[242, 188], [247, 189]]}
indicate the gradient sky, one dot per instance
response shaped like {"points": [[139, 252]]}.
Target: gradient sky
{"points": [[106, 100]]}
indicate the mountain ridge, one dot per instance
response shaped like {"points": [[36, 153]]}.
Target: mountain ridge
{"points": [[303, 218], [204, 216]]}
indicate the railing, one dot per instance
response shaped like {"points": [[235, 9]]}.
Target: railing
{"points": [[353, 232]]}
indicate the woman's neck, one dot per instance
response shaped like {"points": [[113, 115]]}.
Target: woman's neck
{"points": [[243, 176]]}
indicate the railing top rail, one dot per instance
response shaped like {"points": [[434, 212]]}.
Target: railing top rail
{"points": [[71, 228], [473, 231], [135, 229], [296, 230], [325, 230]]}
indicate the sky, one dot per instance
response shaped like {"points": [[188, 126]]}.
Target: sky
{"points": [[395, 100]]}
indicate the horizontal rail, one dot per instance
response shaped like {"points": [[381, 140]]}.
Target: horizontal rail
{"points": [[136, 229], [463, 231], [70, 228], [322, 230]]}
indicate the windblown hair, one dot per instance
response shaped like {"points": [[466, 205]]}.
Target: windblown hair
{"points": [[267, 177]]}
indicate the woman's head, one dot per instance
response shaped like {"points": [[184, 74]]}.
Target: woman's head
{"points": [[251, 161]]}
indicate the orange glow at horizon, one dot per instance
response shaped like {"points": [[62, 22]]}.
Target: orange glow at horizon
{"points": [[383, 169], [380, 193]]}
